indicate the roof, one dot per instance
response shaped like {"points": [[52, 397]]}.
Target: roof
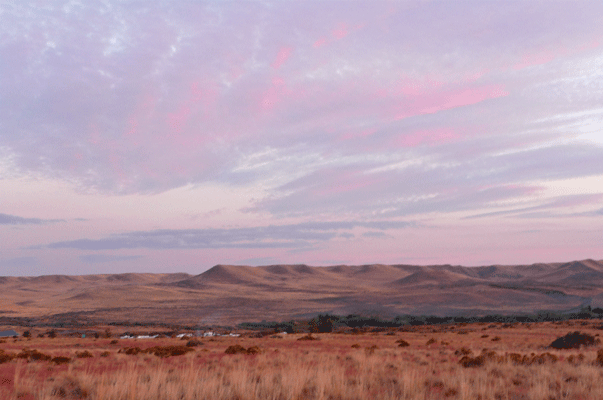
{"points": [[10, 333]]}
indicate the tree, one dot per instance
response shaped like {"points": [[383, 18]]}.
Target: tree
{"points": [[322, 323]]}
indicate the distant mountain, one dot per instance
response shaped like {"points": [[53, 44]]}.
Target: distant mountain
{"points": [[229, 294]]}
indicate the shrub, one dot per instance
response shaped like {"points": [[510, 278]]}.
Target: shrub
{"points": [[194, 343], [105, 354], [114, 341], [430, 341], [33, 355], [495, 339], [472, 362], [489, 354], [131, 351], [236, 349], [83, 354], [543, 358], [599, 360], [515, 358], [308, 337], [463, 351], [371, 350], [167, 351], [60, 360], [402, 343], [574, 340], [5, 357], [355, 346]]}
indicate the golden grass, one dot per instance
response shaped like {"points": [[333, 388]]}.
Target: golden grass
{"points": [[371, 365]]}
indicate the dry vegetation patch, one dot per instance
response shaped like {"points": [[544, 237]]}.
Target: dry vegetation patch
{"points": [[168, 351], [33, 355], [238, 349], [521, 366], [61, 360], [83, 354], [308, 337], [5, 357]]}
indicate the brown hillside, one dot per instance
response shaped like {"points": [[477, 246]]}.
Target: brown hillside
{"points": [[230, 294]]}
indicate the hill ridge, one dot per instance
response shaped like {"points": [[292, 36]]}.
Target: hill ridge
{"points": [[236, 293]]}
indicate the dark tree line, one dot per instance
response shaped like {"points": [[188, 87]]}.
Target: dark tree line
{"points": [[328, 322]]}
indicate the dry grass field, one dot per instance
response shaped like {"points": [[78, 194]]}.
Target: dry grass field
{"points": [[463, 361]]}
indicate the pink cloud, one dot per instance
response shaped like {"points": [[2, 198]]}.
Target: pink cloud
{"points": [[282, 56], [413, 87], [592, 45], [361, 134], [319, 42], [472, 77], [280, 94], [432, 103], [205, 97], [133, 123], [273, 95], [539, 58], [76, 161], [139, 120], [430, 137], [94, 136], [341, 31], [470, 96], [176, 120]]}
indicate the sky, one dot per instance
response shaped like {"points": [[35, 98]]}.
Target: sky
{"points": [[171, 136]]}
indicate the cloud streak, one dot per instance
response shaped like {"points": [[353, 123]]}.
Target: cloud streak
{"points": [[272, 236], [7, 219], [105, 258]]}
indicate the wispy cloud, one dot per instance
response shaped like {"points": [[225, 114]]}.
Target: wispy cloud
{"points": [[105, 258], [18, 262], [162, 101], [6, 219], [272, 236]]}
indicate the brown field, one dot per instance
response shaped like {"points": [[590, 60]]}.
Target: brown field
{"points": [[463, 361]]}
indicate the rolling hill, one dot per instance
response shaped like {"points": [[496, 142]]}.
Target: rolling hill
{"points": [[227, 294]]}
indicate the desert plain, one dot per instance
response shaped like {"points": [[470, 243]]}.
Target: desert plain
{"points": [[482, 360]]}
